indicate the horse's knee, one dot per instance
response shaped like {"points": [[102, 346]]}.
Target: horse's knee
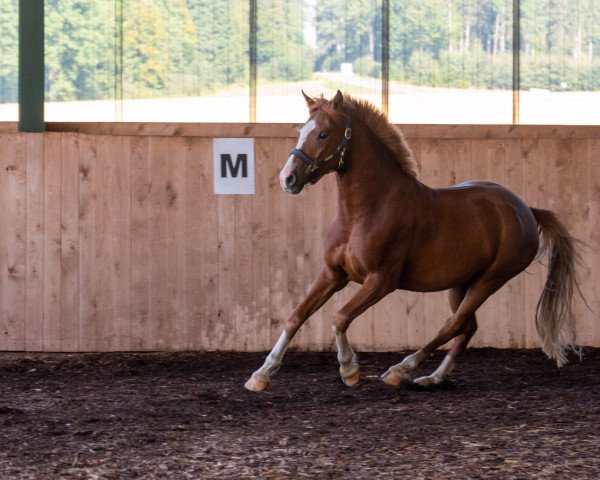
{"points": [[341, 322], [292, 325]]}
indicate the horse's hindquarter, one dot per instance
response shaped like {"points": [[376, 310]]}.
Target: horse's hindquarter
{"points": [[465, 231]]}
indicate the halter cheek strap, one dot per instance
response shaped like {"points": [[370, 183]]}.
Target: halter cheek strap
{"points": [[313, 164]]}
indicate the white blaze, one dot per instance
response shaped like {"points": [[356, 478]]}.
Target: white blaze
{"points": [[289, 166]]}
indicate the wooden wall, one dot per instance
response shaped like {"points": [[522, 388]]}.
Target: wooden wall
{"points": [[111, 238]]}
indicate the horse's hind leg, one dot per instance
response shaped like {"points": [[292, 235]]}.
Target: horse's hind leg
{"points": [[462, 322], [458, 345], [400, 372]]}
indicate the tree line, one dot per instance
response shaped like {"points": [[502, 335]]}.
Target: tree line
{"points": [[156, 48]]}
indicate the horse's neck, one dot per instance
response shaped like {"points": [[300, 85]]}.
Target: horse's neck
{"points": [[369, 177]]}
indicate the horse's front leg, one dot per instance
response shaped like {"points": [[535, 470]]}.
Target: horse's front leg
{"points": [[375, 287], [327, 283]]}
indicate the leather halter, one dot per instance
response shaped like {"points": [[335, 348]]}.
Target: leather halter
{"points": [[313, 164]]}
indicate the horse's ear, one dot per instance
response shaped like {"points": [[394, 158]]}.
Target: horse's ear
{"points": [[338, 100], [309, 101]]}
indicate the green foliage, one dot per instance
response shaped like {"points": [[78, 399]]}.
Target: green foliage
{"points": [[9, 53], [145, 48], [346, 31], [79, 49], [281, 50]]}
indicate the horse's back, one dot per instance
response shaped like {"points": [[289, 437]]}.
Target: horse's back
{"points": [[500, 210], [479, 226], [490, 194]]}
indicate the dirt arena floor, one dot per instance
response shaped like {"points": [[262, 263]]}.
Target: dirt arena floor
{"points": [[505, 414]]}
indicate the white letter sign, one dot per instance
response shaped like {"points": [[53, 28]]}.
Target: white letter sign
{"points": [[233, 160]]}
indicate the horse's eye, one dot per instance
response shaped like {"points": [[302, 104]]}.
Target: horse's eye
{"points": [[323, 135]]}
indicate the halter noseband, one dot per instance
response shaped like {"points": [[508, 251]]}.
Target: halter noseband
{"points": [[313, 164]]}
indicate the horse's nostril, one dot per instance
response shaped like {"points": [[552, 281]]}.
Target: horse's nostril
{"points": [[290, 180]]}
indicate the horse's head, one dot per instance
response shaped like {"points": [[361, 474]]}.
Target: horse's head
{"points": [[321, 146]]}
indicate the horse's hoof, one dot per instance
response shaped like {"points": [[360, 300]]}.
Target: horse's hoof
{"points": [[426, 382], [392, 378], [353, 379], [256, 384]]}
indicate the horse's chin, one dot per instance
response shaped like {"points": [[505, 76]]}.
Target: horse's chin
{"points": [[299, 185], [295, 190]]}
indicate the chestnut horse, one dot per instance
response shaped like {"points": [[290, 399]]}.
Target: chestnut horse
{"points": [[393, 232]]}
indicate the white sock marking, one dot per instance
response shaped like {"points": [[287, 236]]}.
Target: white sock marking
{"points": [[444, 369], [273, 361], [345, 355]]}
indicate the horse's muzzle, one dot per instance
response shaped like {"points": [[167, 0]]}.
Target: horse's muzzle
{"points": [[290, 181], [293, 185]]}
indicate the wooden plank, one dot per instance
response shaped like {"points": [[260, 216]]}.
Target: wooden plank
{"points": [[52, 241], [480, 160], [261, 246], [532, 277], [515, 289], [12, 265], [87, 243], [69, 327], [226, 318], [159, 298], [200, 244], [16, 245], [209, 246], [105, 255], [167, 209], [244, 291], [120, 208], [582, 225], [7, 152], [175, 200], [593, 240], [34, 295], [140, 243], [589, 331], [463, 164]]}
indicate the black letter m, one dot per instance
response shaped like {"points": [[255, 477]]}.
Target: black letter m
{"points": [[227, 163]]}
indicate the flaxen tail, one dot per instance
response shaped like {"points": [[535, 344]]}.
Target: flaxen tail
{"points": [[553, 316]]}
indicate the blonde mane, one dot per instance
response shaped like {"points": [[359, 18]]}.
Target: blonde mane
{"points": [[379, 124]]}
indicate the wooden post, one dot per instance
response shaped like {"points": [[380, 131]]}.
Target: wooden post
{"points": [[31, 65]]}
